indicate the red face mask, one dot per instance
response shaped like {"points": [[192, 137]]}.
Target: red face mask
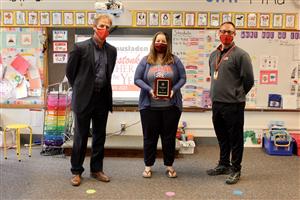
{"points": [[160, 47], [226, 39], [102, 33]]}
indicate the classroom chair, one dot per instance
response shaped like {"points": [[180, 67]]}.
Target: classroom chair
{"points": [[17, 128]]}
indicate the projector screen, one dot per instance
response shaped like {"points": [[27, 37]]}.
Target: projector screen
{"points": [[130, 49]]}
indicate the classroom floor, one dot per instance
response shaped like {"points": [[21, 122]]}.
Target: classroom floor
{"points": [[48, 177]]}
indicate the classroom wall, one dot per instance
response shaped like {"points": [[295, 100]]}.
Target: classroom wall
{"points": [[199, 122], [190, 5], [275, 6]]}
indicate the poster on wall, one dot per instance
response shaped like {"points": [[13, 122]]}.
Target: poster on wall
{"points": [[290, 20], [226, 17], [26, 39], [8, 18], [193, 47], [177, 19], [32, 18], [251, 20], [165, 19], [269, 77], [239, 19], [277, 20], [90, 17], [57, 18], [11, 39], [141, 18], [190, 19], [268, 62], [153, 18], [79, 18], [68, 18], [44, 18], [20, 17], [214, 19], [202, 19], [130, 51], [264, 20]]}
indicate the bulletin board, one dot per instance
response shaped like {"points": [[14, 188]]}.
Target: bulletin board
{"points": [[22, 70], [60, 43]]}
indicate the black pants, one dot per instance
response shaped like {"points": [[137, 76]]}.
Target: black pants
{"points": [[228, 120], [161, 123], [97, 111]]}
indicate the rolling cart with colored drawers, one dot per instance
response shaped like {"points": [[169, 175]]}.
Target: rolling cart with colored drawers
{"points": [[58, 122]]}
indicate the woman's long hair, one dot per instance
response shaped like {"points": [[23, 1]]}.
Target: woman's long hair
{"points": [[168, 57]]}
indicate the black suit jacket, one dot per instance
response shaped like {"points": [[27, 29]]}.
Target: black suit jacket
{"points": [[81, 74]]}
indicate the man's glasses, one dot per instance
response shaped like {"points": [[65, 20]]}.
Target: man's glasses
{"points": [[225, 31], [102, 26]]}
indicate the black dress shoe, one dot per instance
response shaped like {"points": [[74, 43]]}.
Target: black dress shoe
{"points": [[233, 178], [100, 176], [219, 170]]}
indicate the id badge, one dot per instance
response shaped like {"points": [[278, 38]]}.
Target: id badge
{"points": [[215, 75]]}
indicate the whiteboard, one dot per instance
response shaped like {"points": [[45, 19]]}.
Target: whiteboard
{"points": [[274, 54], [270, 53]]}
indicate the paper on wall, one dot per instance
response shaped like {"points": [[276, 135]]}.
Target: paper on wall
{"points": [[33, 72], [20, 64], [35, 83], [31, 58], [21, 90], [6, 90], [269, 62], [11, 40]]}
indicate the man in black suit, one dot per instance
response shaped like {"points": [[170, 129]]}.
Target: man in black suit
{"points": [[89, 71]]}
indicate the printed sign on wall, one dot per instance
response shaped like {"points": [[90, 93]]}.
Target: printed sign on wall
{"points": [[60, 46], [60, 57], [60, 35]]}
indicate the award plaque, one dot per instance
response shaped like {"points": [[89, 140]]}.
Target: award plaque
{"points": [[162, 87]]}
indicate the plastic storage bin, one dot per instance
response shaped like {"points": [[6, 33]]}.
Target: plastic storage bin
{"points": [[277, 146], [296, 138], [187, 147]]}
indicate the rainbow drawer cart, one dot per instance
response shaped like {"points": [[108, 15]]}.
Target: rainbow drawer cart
{"points": [[58, 122]]}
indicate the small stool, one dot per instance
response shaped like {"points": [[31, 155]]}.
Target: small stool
{"points": [[17, 128]]}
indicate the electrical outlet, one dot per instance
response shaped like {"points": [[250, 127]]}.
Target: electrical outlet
{"points": [[123, 126]]}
